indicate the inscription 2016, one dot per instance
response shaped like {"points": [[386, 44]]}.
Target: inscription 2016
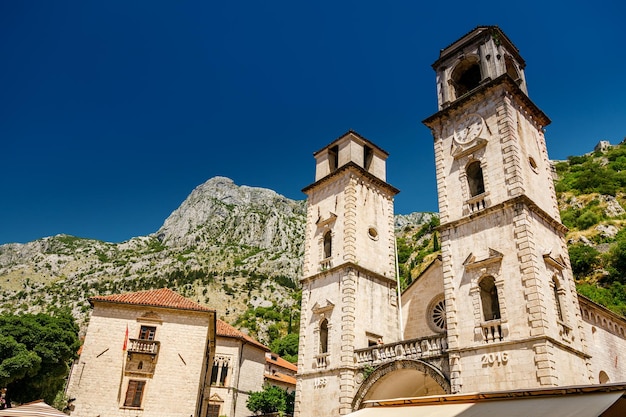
{"points": [[491, 359]]}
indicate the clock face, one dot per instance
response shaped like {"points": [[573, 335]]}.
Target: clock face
{"points": [[469, 128]]}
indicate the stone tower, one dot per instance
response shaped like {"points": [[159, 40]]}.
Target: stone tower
{"points": [[513, 319], [349, 298]]}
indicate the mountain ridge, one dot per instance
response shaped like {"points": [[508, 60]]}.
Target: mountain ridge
{"points": [[235, 248]]}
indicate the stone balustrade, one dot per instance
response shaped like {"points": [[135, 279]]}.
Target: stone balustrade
{"points": [[426, 347], [143, 346], [492, 331], [477, 203], [325, 264], [322, 360]]}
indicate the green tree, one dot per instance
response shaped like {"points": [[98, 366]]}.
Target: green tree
{"points": [[287, 347], [583, 258], [35, 351], [271, 400], [617, 262]]}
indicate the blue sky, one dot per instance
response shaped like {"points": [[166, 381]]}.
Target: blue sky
{"points": [[112, 112]]}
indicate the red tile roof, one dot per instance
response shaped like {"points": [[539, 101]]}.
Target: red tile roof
{"points": [[163, 297], [280, 362], [281, 377], [226, 330]]}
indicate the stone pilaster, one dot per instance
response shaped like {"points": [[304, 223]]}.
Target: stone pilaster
{"points": [[442, 192], [531, 281], [545, 364], [510, 148], [349, 237]]}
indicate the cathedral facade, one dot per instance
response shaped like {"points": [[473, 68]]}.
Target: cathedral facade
{"points": [[498, 309]]}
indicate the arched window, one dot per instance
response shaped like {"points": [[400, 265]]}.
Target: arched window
{"points": [[511, 68], [489, 299], [328, 244], [475, 179], [557, 298], [466, 76], [324, 336]]}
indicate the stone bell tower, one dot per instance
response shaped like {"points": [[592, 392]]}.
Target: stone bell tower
{"points": [[513, 319], [349, 298]]}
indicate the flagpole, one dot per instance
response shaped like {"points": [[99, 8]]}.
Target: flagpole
{"points": [[124, 346]]}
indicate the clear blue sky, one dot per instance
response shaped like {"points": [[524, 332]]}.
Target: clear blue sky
{"points": [[111, 112]]}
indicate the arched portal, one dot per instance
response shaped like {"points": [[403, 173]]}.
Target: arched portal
{"points": [[402, 379]]}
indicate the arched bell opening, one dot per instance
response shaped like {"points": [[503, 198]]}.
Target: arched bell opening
{"points": [[466, 76], [402, 379]]}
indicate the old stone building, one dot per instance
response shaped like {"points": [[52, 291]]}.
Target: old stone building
{"points": [[279, 372], [498, 309], [145, 353], [175, 359], [238, 369], [349, 297]]}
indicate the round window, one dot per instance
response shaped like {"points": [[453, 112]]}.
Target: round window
{"points": [[437, 314], [532, 163], [372, 233]]}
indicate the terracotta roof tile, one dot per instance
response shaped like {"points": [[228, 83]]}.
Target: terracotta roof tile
{"points": [[281, 377], [163, 297], [280, 362], [226, 330]]}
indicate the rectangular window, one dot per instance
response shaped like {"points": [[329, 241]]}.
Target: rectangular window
{"points": [[219, 372], [214, 371], [333, 158], [368, 155], [147, 333], [213, 410], [134, 393], [224, 374]]}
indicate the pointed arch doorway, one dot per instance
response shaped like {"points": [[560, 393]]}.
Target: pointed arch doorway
{"points": [[402, 379]]}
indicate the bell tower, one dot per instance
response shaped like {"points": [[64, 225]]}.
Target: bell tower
{"points": [[349, 298], [513, 319]]}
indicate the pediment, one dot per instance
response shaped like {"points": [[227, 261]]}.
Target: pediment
{"points": [[459, 150], [493, 256], [216, 398], [556, 261], [323, 221], [322, 307]]}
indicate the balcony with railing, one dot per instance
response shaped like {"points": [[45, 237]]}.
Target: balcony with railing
{"points": [[326, 264], [322, 360], [477, 203], [492, 331], [150, 347], [422, 348]]}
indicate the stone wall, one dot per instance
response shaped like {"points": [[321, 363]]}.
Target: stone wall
{"points": [[606, 341], [99, 383]]}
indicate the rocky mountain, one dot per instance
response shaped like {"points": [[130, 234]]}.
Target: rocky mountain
{"points": [[235, 248], [238, 249]]}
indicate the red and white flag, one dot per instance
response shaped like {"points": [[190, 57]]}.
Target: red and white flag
{"points": [[125, 339]]}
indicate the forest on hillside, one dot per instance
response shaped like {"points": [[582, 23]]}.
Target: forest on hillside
{"points": [[591, 190]]}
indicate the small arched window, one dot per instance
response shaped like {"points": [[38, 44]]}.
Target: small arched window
{"points": [[603, 378], [489, 299], [328, 244], [324, 336], [557, 298], [475, 179]]}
